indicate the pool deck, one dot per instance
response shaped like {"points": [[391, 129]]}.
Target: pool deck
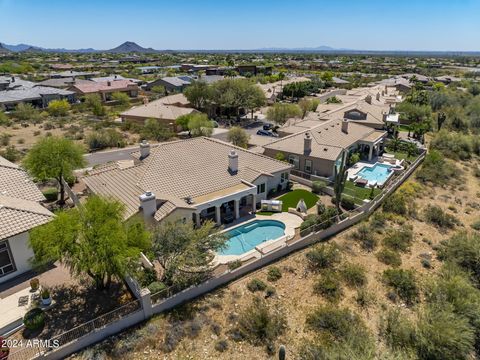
{"points": [[359, 166], [291, 222]]}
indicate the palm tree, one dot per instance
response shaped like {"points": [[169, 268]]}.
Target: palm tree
{"points": [[394, 144]]}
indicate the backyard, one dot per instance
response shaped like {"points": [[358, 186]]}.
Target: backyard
{"points": [[360, 193]]}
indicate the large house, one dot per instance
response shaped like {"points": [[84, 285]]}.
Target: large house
{"points": [[14, 91], [20, 211], [106, 88], [316, 151], [191, 180], [165, 110]]}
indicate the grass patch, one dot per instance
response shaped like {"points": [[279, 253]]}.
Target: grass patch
{"points": [[265, 213], [291, 199], [359, 193]]}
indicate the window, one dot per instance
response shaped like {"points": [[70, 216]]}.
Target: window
{"points": [[293, 159], [261, 188], [6, 261], [284, 177], [308, 166]]}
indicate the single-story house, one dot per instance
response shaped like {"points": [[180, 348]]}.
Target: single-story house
{"points": [[72, 73], [166, 110], [316, 151], [62, 83], [171, 83], [191, 180], [38, 96], [106, 89], [20, 211]]}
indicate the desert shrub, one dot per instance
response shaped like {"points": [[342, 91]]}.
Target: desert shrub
{"points": [[354, 275], [156, 287], [436, 216], [320, 207], [436, 170], [403, 283], [323, 256], [58, 107], [309, 221], [94, 103], [34, 319], [221, 345], [256, 285], [4, 139], [452, 144], [442, 335], [342, 335], [377, 221], [399, 239], [476, 225], [396, 204], [261, 325], [364, 298], [397, 331], [273, 273], [154, 130], [4, 120], [121, 98], [11, 153], [317, 186], [173, 335], [389, 257], [24, 111], [51, 194], [365, 236], [347, 203], [463, 249], [328, 286], [235, 264], [104, 138]]}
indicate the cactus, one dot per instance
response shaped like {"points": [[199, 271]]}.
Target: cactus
{"points": [[282, 352]]}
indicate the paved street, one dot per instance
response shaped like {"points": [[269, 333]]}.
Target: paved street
{"points": [[103, 157]]}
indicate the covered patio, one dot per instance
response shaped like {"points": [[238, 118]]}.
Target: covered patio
{"points": [[372, 146], [226, 206]]}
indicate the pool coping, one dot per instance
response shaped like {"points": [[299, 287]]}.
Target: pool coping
{"points": [[256, 252], [352, 172]]}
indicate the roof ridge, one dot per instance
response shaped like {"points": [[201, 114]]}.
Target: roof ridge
{"points": [[18, 208]]}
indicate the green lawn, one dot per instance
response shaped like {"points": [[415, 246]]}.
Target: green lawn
{"points": [[358, 192], [290, 200]]}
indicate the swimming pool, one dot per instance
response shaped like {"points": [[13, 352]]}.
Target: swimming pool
{"points": [[377, 173], [245, 237]]}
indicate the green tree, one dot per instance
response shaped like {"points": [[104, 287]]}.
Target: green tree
{"points": [[121, 98], [58, 107], [185, 252], [54, 158], [279, 113], [199, 94], [94, 103], [154, 130], [91, 240], [159, 89], [340, 180], [200, 125], [238, 136]]}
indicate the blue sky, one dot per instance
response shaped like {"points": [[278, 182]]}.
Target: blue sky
{"points": [[245, 24]]}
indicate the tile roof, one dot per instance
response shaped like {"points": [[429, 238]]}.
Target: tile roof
{"points": [[62, 82], [328, 139], [179, 169], [164, 108], [14, 182], [117, 85], [20, 209]]}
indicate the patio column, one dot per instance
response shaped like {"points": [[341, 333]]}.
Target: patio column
{"points": [[370, 152], [236, 208], [197, 220], [218, 217], [254, 203]]}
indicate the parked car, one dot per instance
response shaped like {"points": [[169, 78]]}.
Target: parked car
{"points": [[266, 133]]}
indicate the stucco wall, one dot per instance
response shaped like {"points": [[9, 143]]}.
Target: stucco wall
{"points": [[21, 254]]}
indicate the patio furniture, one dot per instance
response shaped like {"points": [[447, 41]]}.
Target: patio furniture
{"points": [[361, 182], [271, 205]]}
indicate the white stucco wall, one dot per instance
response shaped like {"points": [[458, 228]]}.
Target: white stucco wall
{"points": [[21, 253], [271, 183]]}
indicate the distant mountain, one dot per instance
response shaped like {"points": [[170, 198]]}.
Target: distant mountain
{"points": [[3, 48], [33, 49], [130, 47]]}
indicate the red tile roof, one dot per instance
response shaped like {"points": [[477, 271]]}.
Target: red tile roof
{"points": [[106, 86]]}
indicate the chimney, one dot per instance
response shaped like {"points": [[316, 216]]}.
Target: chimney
{"points": [[345, 126], [368, 99], [233, 162], [148, 203], [144, 149], [307, 143]]}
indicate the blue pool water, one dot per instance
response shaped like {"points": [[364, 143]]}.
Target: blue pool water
{"points": [[245, 237], [378, 173]]}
